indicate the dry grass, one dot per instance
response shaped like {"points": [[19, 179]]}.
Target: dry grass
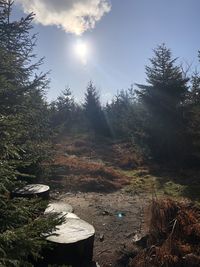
{"points": [[119, 154], [174, 236], [85, 164], [82, 174]]}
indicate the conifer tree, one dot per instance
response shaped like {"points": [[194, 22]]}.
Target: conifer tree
{"points": [[22, 224], [22, 93], [63, 110], [94, 113], [163, 98], [193, 119], [120, 113]]}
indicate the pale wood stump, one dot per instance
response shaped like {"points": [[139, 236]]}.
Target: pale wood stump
{"points": [[58, 206], [32, 190], [72, 243]]}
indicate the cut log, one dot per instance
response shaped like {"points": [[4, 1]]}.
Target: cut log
{"points": [[66, 215], [32, 190], [72, 243], [58, 206], [72, 231], [71, 215]]}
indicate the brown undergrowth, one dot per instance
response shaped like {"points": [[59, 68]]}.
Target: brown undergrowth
{"points": [[88, 165], [174, 236], [115, 153], [81, 174]]}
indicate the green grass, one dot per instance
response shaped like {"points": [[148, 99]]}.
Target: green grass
{"points": [[182, 185]]}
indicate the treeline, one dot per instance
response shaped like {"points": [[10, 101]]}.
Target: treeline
{"points": [[161, 117]]}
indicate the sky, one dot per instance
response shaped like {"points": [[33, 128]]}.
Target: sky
{"points": [[109, 42]]}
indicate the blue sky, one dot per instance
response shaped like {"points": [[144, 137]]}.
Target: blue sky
{"points": [[119, 43]]}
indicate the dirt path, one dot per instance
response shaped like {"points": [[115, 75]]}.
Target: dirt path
{"points": [[117, 218]]}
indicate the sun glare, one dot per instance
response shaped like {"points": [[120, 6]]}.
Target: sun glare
{"points": [[81, 50]]}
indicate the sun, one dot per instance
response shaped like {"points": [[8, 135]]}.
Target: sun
{"points": [[81, 50]]}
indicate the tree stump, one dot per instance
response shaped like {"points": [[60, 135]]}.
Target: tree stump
{"points": [[70, 215], [72, 243], [32, 190], [58, 206]]}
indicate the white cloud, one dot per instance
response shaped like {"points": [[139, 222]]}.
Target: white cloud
{"points": [[74, 16]]}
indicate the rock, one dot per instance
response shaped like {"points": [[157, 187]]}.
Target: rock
{"points": [[105, 212], [128, 235], [101, 237], [141, 240]]}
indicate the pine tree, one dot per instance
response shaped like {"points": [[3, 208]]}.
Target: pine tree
{"points": [[22, 130], [194, 94], [94, 113], [120, 113], [22, 93], [63, 110], [192, 115], [163, 98]]}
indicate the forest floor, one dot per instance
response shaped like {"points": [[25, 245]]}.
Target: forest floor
{"points": [[106, 186]]}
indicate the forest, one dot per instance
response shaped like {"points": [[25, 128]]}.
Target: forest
{"points": [[141, 147]]}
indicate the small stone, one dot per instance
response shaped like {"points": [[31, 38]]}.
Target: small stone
{"points": [[105, 212], [141, 240], [101, 237], [128, 235]]}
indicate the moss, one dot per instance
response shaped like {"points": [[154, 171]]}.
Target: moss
{"points": [[172, 185], [172, 189]]}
